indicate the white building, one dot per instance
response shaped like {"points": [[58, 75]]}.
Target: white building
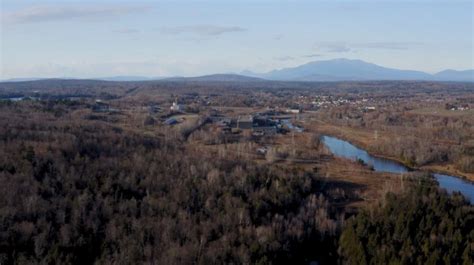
{"points": [[175, 107], [294, 111]]}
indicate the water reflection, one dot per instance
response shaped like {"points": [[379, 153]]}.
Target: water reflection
{"points": [[345, 149]]}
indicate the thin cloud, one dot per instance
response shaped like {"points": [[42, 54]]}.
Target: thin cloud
{"points": [[284, 58], [333, 47], [126, 31], [388, 45], [311, 55], [338, 49], [37, 14], [201, 30], [344, 47]]}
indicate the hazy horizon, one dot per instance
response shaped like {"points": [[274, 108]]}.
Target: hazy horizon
{"points": [[95, 39]]}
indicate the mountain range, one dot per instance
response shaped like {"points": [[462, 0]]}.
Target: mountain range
{"points": [[328, 70], [355, 70]]}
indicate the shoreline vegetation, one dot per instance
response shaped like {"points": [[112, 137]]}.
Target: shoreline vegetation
{"points": [[428, 169], [433, 168]]}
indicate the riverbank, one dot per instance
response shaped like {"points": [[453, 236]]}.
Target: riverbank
{"points": [[449, 170], [347, 150], [365, 140]]}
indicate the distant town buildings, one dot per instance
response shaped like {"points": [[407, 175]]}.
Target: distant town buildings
{"points": [[462, 107]]}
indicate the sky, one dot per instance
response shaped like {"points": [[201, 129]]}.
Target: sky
{"points": [[87, 39]]}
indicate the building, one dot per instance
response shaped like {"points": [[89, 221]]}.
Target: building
{"points": [[176, 107], [294, 111], [264, 126], [245, 122], [265, 130]]}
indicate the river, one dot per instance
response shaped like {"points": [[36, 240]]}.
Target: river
{"points": [[345, 149]]}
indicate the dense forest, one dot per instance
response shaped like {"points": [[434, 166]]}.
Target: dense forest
{"points": [[84, 191], [76, 190], [422, 226]]}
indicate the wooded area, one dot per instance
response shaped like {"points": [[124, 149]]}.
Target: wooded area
{"points": [[422, 226], [76, 190]]}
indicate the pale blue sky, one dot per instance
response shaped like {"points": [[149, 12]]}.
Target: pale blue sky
{"points": [[166, 38]]}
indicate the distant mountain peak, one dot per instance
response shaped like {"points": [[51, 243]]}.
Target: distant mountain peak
{"points": [[343, 69], [450, 74], [339, 69]]}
